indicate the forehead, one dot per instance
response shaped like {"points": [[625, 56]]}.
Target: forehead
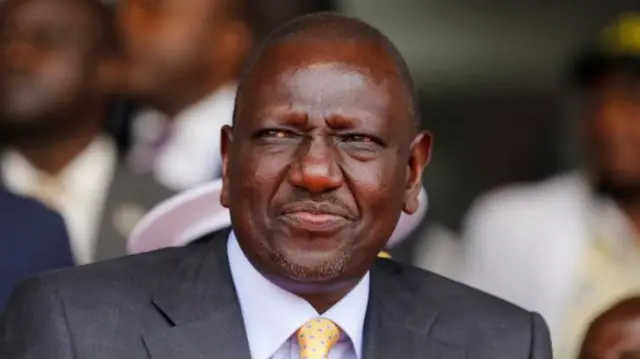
{"points": [[56, 15], [368, 57], [325, 73]]}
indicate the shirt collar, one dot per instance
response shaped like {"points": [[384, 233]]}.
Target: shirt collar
{"points": [[271, 315]]}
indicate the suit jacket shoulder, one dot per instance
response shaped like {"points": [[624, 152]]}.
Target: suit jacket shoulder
{"points": [[168, 304], [421, 312]]}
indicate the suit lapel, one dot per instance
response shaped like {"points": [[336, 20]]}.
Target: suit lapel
{"points": [[399, 319], [200, 303]]}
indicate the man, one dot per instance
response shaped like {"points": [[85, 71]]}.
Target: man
{"points": [[58, 65], [615, 334], [33, 239], [568, 247], [323, 156], [184, 57]]}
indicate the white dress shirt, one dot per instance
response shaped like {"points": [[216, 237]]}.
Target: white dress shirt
{"points": [[191, 154], [85, 183], [272, 315]]}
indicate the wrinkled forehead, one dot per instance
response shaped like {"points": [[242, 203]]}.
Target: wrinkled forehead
{"points": [[328, 74], [367, 57]]}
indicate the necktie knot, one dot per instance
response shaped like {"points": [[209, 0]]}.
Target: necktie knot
{"points": [[316, 338]]}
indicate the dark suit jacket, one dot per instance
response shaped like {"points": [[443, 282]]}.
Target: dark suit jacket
{"points": [[180, 303], [130, 196], [32, 239]]}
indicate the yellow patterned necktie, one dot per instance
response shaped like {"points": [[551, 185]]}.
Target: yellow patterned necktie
{"points": [[316, 338]]}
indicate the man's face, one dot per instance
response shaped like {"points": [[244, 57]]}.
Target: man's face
{"points": [[614, 132], [46, 68], [320, 161], [167, 43]]}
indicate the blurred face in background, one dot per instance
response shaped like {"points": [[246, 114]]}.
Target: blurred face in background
{"points": [[180, 50], [614, 339], [48, 63], [614, 135]]}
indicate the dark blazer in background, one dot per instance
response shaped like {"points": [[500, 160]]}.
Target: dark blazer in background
{"points": [[130, 197], [32, 239], [180, 303]]}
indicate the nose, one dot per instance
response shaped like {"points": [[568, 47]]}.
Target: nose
{"points": [[315, 168]]}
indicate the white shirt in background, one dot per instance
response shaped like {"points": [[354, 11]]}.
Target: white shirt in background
{"points": [[191, 154], [85, 183]]}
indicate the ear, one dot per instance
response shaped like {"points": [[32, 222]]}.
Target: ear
{"points": [[226, 139], [418, 159]]}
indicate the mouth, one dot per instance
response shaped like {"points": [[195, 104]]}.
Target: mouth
{"points": [[313, 217]]}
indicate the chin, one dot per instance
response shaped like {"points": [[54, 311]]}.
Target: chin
{"points": [[306, 266]]}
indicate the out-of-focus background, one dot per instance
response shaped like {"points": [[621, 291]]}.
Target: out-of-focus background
{"points": [[536, 159]]}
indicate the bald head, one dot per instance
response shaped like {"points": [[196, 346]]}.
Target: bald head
{"points": [[337, 38]]}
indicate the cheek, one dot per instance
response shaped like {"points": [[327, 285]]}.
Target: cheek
{"points": [[259, 176], [377, 185], [63, 78]]}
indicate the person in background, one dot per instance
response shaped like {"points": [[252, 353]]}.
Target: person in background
{"points": [[615, 334], [59, 64], [184, 57], [324, 154], [569, 247], [33, 239]]}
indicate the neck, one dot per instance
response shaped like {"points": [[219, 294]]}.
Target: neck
{"points": [[324, 301], [321, 297], [52, 154]]}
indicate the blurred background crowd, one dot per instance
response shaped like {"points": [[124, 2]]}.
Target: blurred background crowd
{"points": [[109, 108]]}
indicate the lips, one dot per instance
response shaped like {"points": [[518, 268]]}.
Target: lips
{"points": [[315, 217]]}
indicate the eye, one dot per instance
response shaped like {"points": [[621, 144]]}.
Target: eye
{"points": [[275, 133], [358, 138], [361, 139]]}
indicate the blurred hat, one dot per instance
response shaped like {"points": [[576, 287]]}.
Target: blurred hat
{"points": [[192, 214], [616, 49]]}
